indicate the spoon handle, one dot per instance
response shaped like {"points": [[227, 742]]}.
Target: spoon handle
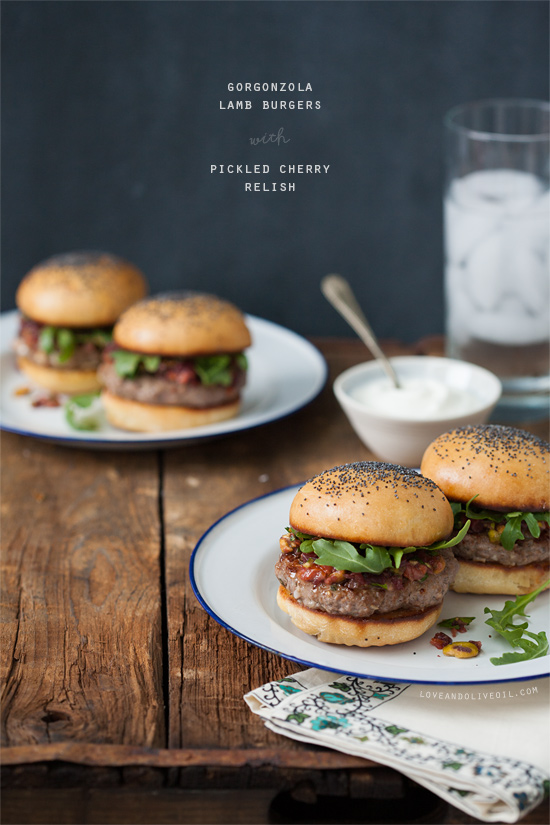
{"points": [[338, 292]]}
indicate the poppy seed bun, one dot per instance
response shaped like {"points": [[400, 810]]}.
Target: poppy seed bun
{"points": [[508, 469], [80, 289], [376, 631], [187, 325], [139, 417], [372, 502], [72, 382], [479, 577]]}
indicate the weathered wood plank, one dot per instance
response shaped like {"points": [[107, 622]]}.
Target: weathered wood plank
{"points": [[81, 606], [210, 669], [126, 755]]}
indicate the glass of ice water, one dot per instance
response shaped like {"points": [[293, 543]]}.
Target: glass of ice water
{"points": [[497, 235]]}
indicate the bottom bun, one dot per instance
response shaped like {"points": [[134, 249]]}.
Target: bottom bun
{"points": [[150, 418], [378, 630], [72, 382], [477, 577]]}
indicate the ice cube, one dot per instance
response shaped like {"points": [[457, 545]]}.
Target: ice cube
{"points": [[528, 275], [484, 272], [464, 229], [500, 190], [532, 227]]}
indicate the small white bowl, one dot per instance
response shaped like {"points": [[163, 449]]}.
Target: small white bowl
{"points": [[403, 440]]}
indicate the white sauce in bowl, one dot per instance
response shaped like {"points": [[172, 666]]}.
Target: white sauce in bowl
{"points": [[418, 399]]}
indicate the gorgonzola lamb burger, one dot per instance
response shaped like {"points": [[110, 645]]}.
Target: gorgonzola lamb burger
{"points": [[365, 560], [68, 306], [176, 361], [498, 478]]}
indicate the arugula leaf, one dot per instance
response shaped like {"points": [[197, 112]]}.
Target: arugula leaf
{"points": [[66, 343], [46, 339], [83, 412], [456, 507], [63, 340], [99, 337], [456, 621], [531, 650], [151, 362], [298, 534], [126, 363], [512, 531], [214, 369], [241, 361], [517, 635], [343, 556], [369, 558], [452, 542]]}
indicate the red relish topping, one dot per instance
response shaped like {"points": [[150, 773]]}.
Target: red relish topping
{"points": [[440, 640]]}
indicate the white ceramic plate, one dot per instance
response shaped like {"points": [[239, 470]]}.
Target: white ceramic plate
{"points": [[232, 574], [286, 372]]}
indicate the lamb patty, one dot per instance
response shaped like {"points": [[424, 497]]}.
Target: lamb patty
{"points": [[158, 388], [415, 585], [477, 546]]}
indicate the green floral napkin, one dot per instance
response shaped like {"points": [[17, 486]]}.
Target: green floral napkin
{"points": [[483, 748]]}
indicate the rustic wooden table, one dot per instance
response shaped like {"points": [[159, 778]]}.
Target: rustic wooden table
{"points": [[122, 699]]}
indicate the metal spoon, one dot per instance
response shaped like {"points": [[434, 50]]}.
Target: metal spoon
{"points": [[339, 293]]}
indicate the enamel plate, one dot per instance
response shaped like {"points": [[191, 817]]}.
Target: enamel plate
{"points": [[285, 373], [232, 574]]}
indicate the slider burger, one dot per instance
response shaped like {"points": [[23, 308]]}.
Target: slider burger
{"points": [[365, 560], [499, 478], [175, 362], [69, 304]]}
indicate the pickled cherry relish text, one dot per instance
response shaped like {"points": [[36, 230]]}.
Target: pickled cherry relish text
{"points": [[273, 96], [283, 104]]}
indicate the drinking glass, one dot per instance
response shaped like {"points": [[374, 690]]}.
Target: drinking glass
{"points": [[497, 234]]}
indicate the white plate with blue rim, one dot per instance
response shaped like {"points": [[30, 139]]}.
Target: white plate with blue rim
{"points": [[234, 580], [286, 372]]}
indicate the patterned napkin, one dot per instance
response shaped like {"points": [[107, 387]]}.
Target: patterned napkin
{"points": [[483, 748]]}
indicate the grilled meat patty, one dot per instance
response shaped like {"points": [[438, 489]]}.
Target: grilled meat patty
{"points": [[477, 546], [170, 386], [421, 582]]}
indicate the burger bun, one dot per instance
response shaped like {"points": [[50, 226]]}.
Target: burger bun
{"points": [[505, 468], [182, 325], [80, 289], [373, 502], [70, 382], [376, 631], [478, 577], [137, 416]]}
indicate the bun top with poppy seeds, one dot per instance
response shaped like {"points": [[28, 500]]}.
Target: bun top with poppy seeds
{"points": [[372, 502], [506, 468], [80, 289], [184, 325]]}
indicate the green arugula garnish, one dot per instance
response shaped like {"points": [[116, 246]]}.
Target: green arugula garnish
{"points": [[365, 558], [83, 412], [66, 343], [512, 531], [127, 363], [214, 369], [456, 622], [532, 644], [63, 341], [46, 339], [211, 369]]}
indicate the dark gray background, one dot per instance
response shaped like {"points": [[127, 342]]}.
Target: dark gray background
{"points": [[111, 120]]}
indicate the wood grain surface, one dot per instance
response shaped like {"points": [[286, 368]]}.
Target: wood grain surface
{"points": [[81, 651], [115, 678]]}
